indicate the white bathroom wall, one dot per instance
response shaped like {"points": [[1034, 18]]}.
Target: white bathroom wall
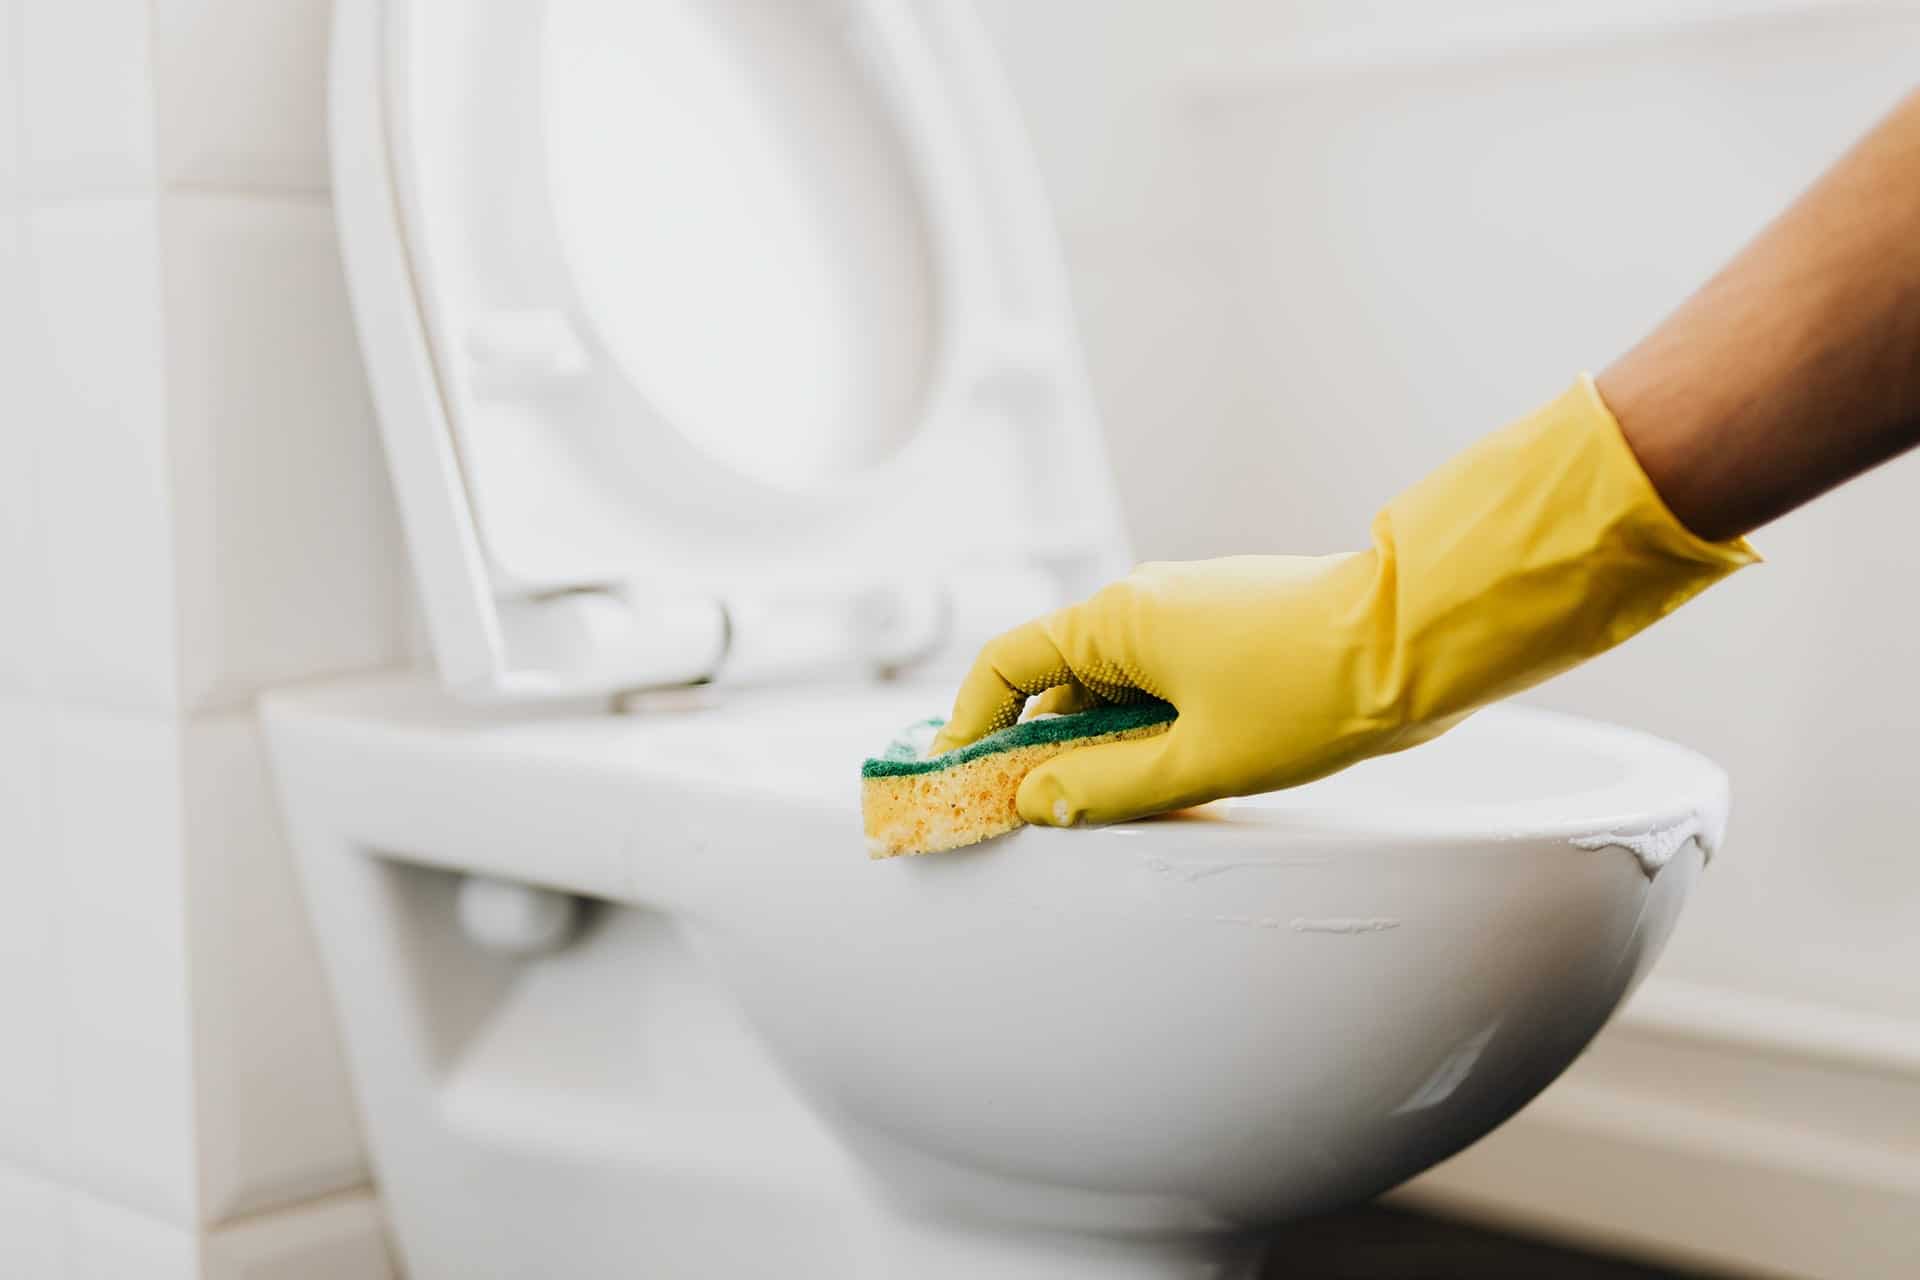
{"points": [[1320, 245], [190, 509]]}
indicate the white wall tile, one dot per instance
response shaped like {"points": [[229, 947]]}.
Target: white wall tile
{"points": [[87, 97], [22, 548], [241, 93], [275, 1116], [116, 814], [340, 1238], [10, 70], [32, 1099], [106, 1241], [32, 1226], [100, 422], [289, 555]]}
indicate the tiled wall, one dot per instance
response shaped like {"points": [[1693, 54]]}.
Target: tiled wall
{"points": [[191, 508]]}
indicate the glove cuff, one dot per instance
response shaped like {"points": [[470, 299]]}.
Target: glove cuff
{"points": [[1535, 549], [1736, 553]]}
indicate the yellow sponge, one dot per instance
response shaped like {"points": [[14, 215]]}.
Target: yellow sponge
{"points": [[914, 803]]}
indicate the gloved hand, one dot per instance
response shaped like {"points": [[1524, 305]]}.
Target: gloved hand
{"points": [[1539, 547]]}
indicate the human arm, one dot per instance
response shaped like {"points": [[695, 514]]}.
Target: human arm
{"points": [[1797, 367]]}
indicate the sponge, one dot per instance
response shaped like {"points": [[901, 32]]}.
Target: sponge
{"points": [[915, 803]]}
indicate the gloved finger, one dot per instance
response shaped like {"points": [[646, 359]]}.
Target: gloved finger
{"points": [[1065, 699], [1112, 782], [1010, 667]]}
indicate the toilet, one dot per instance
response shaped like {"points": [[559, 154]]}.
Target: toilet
{"points": [[730, 396]]}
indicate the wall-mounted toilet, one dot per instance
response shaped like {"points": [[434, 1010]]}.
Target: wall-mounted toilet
{"points": [[682, 320]]}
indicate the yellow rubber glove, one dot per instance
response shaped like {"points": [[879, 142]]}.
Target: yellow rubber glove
{"points": [[1539, 547]]}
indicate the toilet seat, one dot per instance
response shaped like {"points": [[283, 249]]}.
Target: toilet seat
{"points": [[784, 759], [584, 241], [1507, 771]]}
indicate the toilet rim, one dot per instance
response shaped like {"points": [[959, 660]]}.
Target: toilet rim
{"points": [[1509, 773], [755, 800], [1661, 785]]}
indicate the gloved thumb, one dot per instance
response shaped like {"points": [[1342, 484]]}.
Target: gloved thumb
{"points": [[1111, 782]]}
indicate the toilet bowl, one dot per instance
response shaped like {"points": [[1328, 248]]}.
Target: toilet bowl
{"points": [[676, 316], [1106, 1052]]}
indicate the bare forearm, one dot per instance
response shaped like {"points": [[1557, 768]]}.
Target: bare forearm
{"points": [[1798, 366]]}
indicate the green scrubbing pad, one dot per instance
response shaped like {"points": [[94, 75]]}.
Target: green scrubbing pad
{"points": [[915, 803]]}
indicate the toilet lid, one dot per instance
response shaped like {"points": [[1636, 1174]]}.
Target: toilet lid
{"points": [[709, 337]]}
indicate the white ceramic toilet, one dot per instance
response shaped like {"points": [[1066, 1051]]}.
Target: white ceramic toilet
{"points": [[689, 324]]}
